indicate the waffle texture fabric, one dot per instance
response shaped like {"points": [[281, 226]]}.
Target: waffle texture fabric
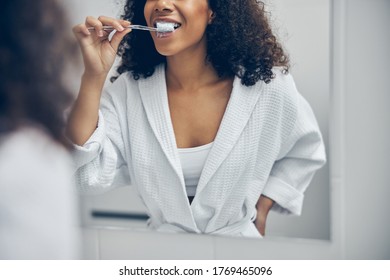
{"points": [[268, 143]]}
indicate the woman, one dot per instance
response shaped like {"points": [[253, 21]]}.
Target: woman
{"points": [[38, 217], [204, 120]]}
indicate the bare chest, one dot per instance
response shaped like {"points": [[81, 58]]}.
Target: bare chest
{"points": [[196, 118]]}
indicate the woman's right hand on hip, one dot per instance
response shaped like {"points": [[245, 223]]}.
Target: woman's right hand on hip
{"points": [[98, 51]]}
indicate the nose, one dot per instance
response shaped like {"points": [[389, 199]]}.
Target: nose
{"points": [[163, 6]]}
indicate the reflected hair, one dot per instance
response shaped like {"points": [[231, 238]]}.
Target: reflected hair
{"points": [[34, 46], [240, 42]]}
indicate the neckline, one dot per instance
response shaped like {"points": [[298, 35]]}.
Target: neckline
{"points": [[195, 149]]}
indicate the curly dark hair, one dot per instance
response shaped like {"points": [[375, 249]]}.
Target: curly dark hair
{"points": [[33, 49], [240, 42]]}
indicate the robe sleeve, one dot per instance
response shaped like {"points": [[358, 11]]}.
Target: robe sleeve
{"points": [[301, 154], [100, 162]]}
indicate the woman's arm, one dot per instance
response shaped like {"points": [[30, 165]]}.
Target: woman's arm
{"points": [[98, 56], [263, 206], [301, 154]]}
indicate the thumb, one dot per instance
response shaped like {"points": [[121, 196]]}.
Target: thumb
{"points": [[118, 37]]}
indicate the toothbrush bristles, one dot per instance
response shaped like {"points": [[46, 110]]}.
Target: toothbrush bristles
{"points": [[165, 27]]}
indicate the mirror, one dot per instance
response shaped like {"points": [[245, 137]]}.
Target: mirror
{"points": [[304, 28]]}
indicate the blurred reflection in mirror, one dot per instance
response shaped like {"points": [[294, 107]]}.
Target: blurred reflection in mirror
{"points": [[38, 213]]}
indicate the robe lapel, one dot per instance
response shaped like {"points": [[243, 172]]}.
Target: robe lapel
{"points": [[241, 104], [154, 97]]}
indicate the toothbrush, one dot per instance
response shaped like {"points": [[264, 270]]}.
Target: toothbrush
{"points": [[162, 27]]}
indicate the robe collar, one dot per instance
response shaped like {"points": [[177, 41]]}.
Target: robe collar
{"points": [[243, 99]]}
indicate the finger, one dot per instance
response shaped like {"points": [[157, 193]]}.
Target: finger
{"points": [[124, 22], [118, 37], [95, 23], [81, 29], [118, 25]]}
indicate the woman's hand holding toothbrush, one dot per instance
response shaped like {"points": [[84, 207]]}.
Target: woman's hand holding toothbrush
{"points": [[98, 51], [99, 55]]}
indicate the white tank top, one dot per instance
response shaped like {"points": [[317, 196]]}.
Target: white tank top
{"points": [[192, 163]]}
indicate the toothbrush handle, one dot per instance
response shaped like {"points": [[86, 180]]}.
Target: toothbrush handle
{"points": [[141, 27], [138, 27]]}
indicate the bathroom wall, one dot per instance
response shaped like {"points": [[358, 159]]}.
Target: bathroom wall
{"points": [[366, 128]]}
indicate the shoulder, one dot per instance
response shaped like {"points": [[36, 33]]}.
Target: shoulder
{"points": [[282, 84], [126, 86], [116, 94], [278, 102], [281, 93], [120, 85], [32, 142], [30, 154], [126, 79]]}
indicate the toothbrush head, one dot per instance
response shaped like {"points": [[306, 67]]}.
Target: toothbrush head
{"points": [[165, 27]]}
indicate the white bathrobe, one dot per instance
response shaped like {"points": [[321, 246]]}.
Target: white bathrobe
{"points": [[268, 143], [38, 205]]}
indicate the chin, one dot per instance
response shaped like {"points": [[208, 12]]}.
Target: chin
{"points": [[165, 51]]}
